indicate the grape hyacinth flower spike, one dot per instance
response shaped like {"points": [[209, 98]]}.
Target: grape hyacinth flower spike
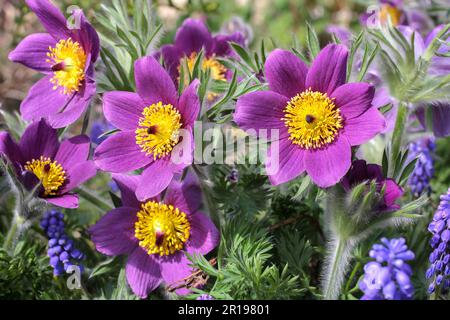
{"points": [[439, 270], [61, 250], [419, 181], [389, 276]]}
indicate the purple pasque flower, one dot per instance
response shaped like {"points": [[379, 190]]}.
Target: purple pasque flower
{"points": [[156, 128], [398, 14], [319, 117], [439, 269], [389, 277], [192, 37], [362, 172], [419, 180], [440, 117], [66, 57], [39, 158], [155, 234]]}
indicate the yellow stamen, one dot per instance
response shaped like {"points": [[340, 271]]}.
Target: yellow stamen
{"points": [[387, 11], [68, 61], [158, 129], [50, 173], [217, 70], [312, 119], [161, 229]]}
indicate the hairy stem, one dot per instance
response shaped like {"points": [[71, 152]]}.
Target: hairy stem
{"points": [[335, 267], [18, 227]]}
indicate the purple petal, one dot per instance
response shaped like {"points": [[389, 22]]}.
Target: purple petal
{"points": [[127, 185], [42, 100], [419, 45], [221, 44], [182, 154], [153, 83], [392, 192], [73, 151], [189, 104], [75, 108], [176, 197], [290, 162], [171, 56], [353, 99], [69, 201], [192, 36], [261, 110], [120, 153], [86, 35], [9, 147], [285, 73], [186, 195], [51, 18], [113, 234], [342, 33], [363, 128], [328, 165], [174, 269], [32, 52], [77, 174], [440, 117], [39, 139], [192, 192], [329, 69], [143, 273], [123, 109], [155, 178], [204, 235]]}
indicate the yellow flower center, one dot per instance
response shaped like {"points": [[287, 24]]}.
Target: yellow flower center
{"points": [[68, 61], [387, 11], [216, 69], [312, 119], [50, 173], [161, 229], [158, 129]]}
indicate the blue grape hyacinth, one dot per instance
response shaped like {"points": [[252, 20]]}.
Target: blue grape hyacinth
{"points": [[389, 276], [439, 270], [419, 181], [61, 250]]}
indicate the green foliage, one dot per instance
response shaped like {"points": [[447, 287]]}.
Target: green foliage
{"points": [[246, 270], [26, 274]]}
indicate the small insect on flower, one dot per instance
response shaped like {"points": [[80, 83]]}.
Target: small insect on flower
{"points": [[319, 117], [66, 57], [155, 234], [155, 128], [55, 168]]}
